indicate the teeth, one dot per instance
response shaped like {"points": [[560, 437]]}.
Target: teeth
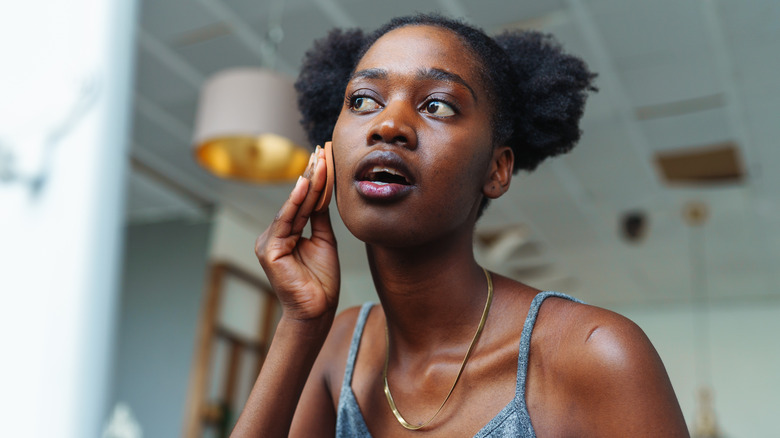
{"points": [[382, 174], [378, 169], [386, 175]]}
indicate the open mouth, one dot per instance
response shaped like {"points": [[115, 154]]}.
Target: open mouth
{"points": [[385, 175]]}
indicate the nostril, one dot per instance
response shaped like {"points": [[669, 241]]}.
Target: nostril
{"points": [[400, 139], [391, 129]]}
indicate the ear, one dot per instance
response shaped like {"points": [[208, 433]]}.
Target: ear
{"points": [[500, 172]]}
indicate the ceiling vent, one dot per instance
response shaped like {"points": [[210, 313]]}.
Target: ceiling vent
{"points": [[714, 164], [633, 226], [202, 34]]}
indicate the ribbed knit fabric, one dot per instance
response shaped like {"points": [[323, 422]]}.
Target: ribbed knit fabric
{"points": [[512, 421]]}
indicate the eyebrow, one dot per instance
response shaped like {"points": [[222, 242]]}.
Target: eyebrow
{"points": [[369, 73], [422, 74], [444, 76]]}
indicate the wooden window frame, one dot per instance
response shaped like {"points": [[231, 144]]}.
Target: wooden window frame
{"points": [[199, 410]]}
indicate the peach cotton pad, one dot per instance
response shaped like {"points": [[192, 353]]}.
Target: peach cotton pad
{"points": [[327, 192]]}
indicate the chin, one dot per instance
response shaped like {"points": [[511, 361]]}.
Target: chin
{"points": [[396, 228], [376, 228]]}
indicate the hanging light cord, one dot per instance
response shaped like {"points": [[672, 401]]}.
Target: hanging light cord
{"points": [[389, 396]]}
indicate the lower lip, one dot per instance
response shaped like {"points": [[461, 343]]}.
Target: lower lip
{"points": [[382, 191]]}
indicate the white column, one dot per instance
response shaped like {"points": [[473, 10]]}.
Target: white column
{"points": [[64, 113]]}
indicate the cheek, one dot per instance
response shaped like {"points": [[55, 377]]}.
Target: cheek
{"points": [[340, 149], [346, 128], [338, 128], [458, 181]]}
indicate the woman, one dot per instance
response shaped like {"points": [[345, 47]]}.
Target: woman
{"points": [[432, 120]]}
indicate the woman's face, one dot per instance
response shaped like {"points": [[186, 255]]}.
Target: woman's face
{"points": [[412, 144]]}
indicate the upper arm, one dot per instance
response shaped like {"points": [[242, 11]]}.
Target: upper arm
{"points": [[315, 414], [623, 383]]}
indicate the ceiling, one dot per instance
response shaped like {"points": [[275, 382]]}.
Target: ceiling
{"points": [[672, 75]]}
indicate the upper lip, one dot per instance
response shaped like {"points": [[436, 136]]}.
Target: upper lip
{"points": [[383, 161]]}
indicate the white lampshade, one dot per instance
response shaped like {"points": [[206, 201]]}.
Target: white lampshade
{"points": [[247, 127]]}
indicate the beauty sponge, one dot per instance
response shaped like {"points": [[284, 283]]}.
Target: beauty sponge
{"points": [[327, 192]]}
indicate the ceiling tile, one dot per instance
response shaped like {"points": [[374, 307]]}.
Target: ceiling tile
{"points": [[669, 80], [155, 80], [219, 53], [689, 130], [645, 28], [168, 19]]}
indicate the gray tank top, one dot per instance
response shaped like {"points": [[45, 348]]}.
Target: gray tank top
{"points": [[512, 421]]}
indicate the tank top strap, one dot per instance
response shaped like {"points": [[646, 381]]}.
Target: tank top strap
{"points": [[355, 344], [525, 348]]}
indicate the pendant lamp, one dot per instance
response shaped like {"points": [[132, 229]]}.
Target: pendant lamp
{"points": [[247, 127], [705, 423]]}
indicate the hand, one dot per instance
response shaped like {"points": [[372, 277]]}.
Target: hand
{"points": [[304, 272]]}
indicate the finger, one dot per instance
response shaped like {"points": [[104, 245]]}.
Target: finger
{"points": [[277, 240], [282, 226], [322, 229]]}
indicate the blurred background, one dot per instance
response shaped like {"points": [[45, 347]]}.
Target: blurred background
{"points": [[667, 211]]}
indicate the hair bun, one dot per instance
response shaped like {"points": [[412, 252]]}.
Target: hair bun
{"points": [[550, 94], [326, 67]]}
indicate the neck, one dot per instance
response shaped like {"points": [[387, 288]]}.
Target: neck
{"points": [[432, 295]]}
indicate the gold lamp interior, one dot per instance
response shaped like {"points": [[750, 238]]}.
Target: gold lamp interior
{"points": [[263, 158]]}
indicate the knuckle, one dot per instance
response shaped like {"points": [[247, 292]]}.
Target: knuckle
{"points": [[261, 249], [260, 243]]}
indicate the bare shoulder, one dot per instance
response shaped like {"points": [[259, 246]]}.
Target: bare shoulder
{"points": [[597, 342], [605, 340], [602, 335], [331, 361], [344, 325], [340, 335], [609, 369], [316, 410]]}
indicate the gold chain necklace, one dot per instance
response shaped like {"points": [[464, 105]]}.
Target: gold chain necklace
{"points": [[389, 396]]}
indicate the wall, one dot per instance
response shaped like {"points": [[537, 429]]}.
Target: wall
{"points": [[162, 289], [744, 361], [233, 240], [65, 87]]}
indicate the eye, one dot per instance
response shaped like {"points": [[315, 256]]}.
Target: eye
{"points": [[439, 109], [363, 104]]}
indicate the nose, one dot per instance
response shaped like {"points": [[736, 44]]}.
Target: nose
{"points": [[394, 125]]}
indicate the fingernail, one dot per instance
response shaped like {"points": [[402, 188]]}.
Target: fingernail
{"points": [[312, 157], [302, 181], [308, 171], [316, 159]]}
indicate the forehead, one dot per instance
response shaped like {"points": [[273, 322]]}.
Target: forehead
{"points": [[413, 47]]}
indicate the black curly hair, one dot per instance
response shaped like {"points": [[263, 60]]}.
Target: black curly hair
{"points": [[540, 89]]}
